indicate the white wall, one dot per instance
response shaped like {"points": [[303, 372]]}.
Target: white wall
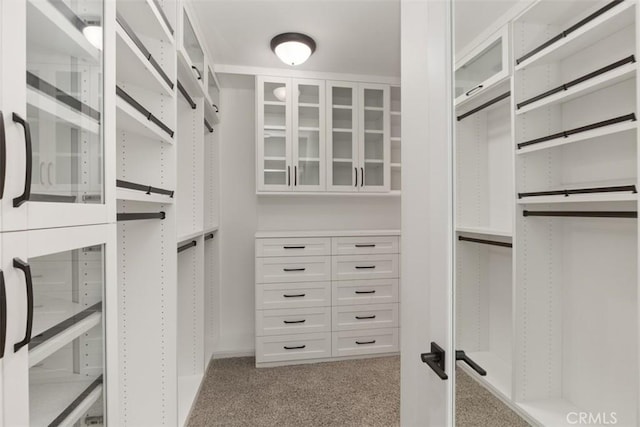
{"points": [[242, 213]]}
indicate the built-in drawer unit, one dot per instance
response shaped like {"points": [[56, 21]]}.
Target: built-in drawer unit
{"points": [[293, 269], [365, 245], [293, 295], [370, 291], [295, 246], [356, 267], [293, 321], [371, 341], [277, 348], [371, 316]]}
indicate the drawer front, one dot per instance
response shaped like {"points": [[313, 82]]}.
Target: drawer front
{"points": [[365, 245], [293, 295], [356, 267], [293, 321], [374, 316], [293, 347], [372, 291], [293, 269], [351, 343], [309, 246]]}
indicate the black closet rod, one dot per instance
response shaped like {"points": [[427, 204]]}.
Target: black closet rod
{"points": [[164, 17], [184, 93], [187, 246], [77, 402], [567, 193], [60, 95], [208, 126], [64, 325], [566, 86], [485, 242], [124, 95], [584, 214], [139, 216], [485, 105], [69, 14], [146, 188], [569, 30], [145, 52], [51, 198], [209, 236], [567, 133]]}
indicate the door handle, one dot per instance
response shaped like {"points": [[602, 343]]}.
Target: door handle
{"points": [[3, 315], [49, 166], [3, 157], [41, 173], [28, 155], [461, 355], [356, 171], [194, 68], [436, 360], [292, 322], [295, 176], [26, 269], [293, 269], [361, 177], [288, 176]]}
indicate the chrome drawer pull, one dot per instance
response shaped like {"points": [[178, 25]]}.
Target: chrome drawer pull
{"points": [[295, 348], [360, 267], [289, 322], [366, 246], [294, 247], [294, 296], [294, 269], [365, 317], [366, 292], [365, 342]]}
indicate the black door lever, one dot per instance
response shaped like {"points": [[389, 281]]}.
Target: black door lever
{"points": [[461, 355], [435, 360]]}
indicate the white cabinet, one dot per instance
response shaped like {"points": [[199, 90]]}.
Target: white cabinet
{"points": [[54, 109], [290, 134]]}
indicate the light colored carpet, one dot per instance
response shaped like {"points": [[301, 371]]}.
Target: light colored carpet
{"points": [[353, 393]]}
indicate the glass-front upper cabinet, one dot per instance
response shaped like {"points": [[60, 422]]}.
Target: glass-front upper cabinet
{"points": [[192, 47], [55, 173], [483, 67], [374, 144], [342, 136], [308, 135]]}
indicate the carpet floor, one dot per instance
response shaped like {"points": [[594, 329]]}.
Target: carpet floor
{"points": [[352, 393]]}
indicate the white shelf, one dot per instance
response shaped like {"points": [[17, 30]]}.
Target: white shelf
{"points": [[132, 67], [190, 236], [375, 161], [308, 129], [54, 30], [141, 196], [210, 113], [550, 412], [484, 230], [582, 136], [50, 396], [498, 378], [580, 198], [395, 193], [373, 109], [396, 165], [277, 103], [274, 127], [606, 24], [49, 312], [274, 158], [342, 107], [144, 17], [212, 228], [57, 109], [395, 139], [374, 132], [602, 81], [309, 159], [395, 113], [188, 387], [129, 119], [344, 130], [274, 170], [187, 76], [323, 233], [307, 104], [339, 160]]}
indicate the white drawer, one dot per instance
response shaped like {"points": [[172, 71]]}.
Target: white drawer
{"points": [[293, 295], [293, 321], [349, 317], [356, 267], [293, 347], [293, 269], [308, 246], [365, 245], [371, 291], [351, 343]]}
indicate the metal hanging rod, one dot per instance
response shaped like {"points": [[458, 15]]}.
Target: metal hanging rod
{"points": [[209, 236], [186, 95], [145, 52], [569, 30], [584, 214], [69, 14], [485, 105], [61, 96], [567, 133], [135, 104], [485, 242], [208, 126], [567, 193], [139, 216], [146, 188], [187, 246], [566, 86]]}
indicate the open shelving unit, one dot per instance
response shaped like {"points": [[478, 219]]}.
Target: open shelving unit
{"points": [[396, 138]]}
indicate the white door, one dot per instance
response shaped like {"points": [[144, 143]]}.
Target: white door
{"points": [[426, 291], [342, 137], [374, 144]]}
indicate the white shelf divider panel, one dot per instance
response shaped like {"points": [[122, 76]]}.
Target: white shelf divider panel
{"points": [[129, 119], [145, 17], [188, 388], [580, 198], [485, 231]]}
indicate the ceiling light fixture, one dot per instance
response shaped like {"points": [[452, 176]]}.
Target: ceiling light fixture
{"points": [[293, 48], [93, 33]]}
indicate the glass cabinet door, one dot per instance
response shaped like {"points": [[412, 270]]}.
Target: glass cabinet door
{"points": [[342, 136], [308, 137], [374, 138], [192, 47]]}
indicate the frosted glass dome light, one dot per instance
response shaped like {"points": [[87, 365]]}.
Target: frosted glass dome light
{"points": [[93, 33], [280, 93], [293, 48]]}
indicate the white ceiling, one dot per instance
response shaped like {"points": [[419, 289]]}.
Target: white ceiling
{"points": [[352, 36]]}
